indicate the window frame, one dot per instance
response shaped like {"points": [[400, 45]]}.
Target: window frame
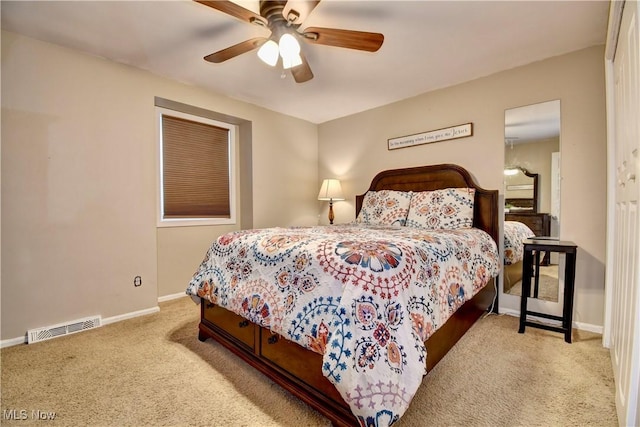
{"points": [[232, 142]]}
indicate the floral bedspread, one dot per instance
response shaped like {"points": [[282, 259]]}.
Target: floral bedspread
{"points": [[515, 233], [366, 297]]}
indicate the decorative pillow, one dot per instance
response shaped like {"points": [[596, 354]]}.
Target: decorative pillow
{"points": [[384, 207], [446, 209]]}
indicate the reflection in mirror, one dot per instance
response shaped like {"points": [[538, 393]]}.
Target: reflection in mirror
{"points": [[532, 192], [521, 190]]}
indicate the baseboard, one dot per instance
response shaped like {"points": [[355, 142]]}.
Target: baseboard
{"points": [[172, 296], [598, 329], [589, 327], [105, 321], [13, 341], [121, 317]]}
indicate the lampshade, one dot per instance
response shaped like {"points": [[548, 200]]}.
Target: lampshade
{"points": [[330, 190], [287, 47], [269, 53], [289, 51]]}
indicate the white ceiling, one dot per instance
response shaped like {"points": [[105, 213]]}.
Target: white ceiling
{"points": [[428, 45]]}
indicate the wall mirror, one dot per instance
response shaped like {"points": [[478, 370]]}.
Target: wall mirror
{"points": [[532, 190]]}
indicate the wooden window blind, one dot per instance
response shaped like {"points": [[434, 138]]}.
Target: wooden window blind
{"points": [[195, 166]]}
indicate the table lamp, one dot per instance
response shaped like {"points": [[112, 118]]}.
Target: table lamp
{"points": [[331, 190]]}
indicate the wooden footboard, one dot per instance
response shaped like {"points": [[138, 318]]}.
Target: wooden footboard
{"points": [[299, 370]]}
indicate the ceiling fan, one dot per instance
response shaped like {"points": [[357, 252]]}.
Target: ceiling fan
{"points": [[284, 19]]}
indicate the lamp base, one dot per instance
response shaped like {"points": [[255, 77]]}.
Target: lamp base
{"points": [[331, 216]]}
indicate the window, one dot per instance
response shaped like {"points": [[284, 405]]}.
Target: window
{"points": [[196, 176]]}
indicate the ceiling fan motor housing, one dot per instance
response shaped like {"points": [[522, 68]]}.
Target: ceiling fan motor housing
{"points": [[272, 11]]}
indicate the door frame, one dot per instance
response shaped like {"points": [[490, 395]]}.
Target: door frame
{"points": [[615, 18]]}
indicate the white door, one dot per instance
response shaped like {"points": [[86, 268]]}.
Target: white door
{"points": [[625, 279]]}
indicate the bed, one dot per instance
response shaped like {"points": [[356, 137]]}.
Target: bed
{"points": [[515, 233], [358, 351]]}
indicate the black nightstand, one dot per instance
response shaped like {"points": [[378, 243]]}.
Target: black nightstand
{"points": [[532, 250]]}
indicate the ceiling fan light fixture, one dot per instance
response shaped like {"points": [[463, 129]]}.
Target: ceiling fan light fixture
{"points": [[268, 53], [289, 50]]}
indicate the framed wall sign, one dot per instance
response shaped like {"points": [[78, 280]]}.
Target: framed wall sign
{"points": [[454, 132]]}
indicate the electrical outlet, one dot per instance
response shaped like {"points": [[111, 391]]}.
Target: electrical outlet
{"points": [[137, 281]]}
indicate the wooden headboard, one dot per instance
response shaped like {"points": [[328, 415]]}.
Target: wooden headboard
{"points": [[434, 177]]}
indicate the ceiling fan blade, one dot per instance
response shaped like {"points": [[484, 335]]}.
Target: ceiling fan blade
{"points": [[302, 73], [235, 50], [359, 40], [235, 10], [300, 8]]}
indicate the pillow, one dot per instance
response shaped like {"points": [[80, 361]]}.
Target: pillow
{"points": [[446, 209], [384, 207]]}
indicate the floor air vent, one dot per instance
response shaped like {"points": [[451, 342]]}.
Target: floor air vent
{"points": [[46, 333]]}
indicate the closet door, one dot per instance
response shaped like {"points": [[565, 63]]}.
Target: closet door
{"points": [[625, 304]]}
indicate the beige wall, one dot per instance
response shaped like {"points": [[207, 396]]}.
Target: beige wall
{"points": [[79, 185], [354, 149]]}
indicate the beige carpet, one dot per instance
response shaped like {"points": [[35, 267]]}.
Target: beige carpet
{"points": [[153, 370]]}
